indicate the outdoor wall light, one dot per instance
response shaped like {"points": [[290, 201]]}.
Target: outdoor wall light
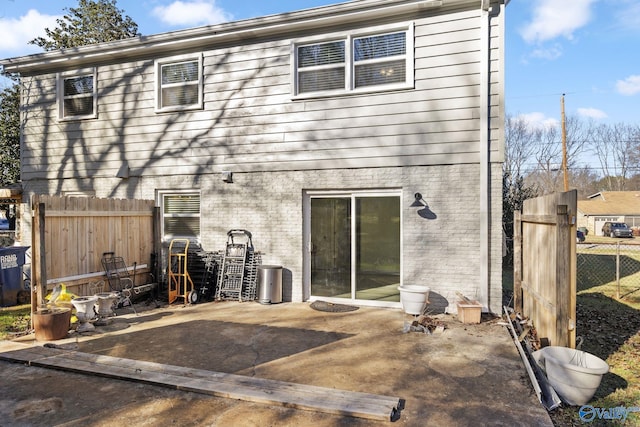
{"points": [[124, 171], [227, 177], [418, 202]]}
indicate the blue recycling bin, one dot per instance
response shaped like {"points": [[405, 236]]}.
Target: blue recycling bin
{"points": [[11, 263]]}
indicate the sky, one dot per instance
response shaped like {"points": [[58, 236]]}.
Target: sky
{"points": [[586, 50]]}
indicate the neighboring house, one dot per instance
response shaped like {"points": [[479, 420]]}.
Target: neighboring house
{"points": [[613, 206], [312, 129]]}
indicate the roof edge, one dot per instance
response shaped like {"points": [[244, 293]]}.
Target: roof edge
{"points": [[192, 38]]}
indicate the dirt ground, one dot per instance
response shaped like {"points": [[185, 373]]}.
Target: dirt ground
{"points": [[468, 375]]}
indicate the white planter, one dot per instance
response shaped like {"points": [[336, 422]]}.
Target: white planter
{"points": [[574, 374], [414, 298], [106, 300], [85, 312]]}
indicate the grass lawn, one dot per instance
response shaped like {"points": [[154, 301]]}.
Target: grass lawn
{"points": [[14, 321], [609, 321]]}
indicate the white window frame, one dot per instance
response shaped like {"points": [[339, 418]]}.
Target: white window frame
{"points": [[61, 97], [159, 63], [348, 38], [306, 238], [161, 203]]}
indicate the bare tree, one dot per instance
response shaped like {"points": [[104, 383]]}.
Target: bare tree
{"points": [[548, 175], [585, 180], [617, 149], [520, 146], [577, 140], [634, 138]]}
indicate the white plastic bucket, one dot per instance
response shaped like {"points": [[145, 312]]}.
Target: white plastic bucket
{"points": [[414, 298], [574, 374]]}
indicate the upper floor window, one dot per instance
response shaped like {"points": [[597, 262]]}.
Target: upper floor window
{"points": [[321, 67], [380, 59], [179, 83], [77, 95]]}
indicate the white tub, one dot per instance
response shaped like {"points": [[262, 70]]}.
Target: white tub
{"points": [[574, 374], [414, 298]]}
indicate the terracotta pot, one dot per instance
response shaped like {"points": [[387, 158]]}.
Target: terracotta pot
{"points": [[52, 323]]}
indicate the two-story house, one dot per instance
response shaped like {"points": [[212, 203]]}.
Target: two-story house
{"points": [[360, 143]]}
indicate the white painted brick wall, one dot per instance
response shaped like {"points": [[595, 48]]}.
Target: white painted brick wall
{"points": [[442, 252]]}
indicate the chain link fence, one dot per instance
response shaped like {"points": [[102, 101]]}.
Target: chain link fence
{"points": [[609, 268]]}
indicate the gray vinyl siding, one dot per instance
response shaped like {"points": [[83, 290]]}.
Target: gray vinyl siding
{"points": [[251, 124], [426, 139]]}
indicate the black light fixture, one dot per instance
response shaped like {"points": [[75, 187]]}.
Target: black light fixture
{"points": [[418, 202], [124, 171]]}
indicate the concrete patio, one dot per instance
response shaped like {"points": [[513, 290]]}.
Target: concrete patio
{"points": [[466, 375]]}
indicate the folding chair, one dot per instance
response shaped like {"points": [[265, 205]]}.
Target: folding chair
{"points": [[119, 279]]}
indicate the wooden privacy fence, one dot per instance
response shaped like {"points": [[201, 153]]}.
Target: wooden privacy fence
{"points": [[70, 235], [545, 266]]}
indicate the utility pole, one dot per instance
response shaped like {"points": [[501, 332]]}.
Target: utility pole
{"points": [[564, 145]]}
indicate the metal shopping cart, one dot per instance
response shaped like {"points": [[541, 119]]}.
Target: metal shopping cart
{"points": [[237, 276]]}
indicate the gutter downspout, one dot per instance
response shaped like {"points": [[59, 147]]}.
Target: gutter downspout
{"points": [[485, 75], [487, 13]]}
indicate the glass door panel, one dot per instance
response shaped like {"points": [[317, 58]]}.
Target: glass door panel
{"points": [[331, 247], [377, 248], [355, 247]]}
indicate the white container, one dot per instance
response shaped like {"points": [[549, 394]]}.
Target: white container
{"points": [[106, 301], [85, 312], [414, 298], [574, 374]]}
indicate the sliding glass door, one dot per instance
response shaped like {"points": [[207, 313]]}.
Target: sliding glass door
{"points": [[331, 247], [355, 246]]}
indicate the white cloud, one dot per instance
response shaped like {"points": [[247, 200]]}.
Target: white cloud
{"points": [[628, 15], [192, 13], [538, 120], [16, 33], [554, 18], [592, 113], [549, 53], [629, 86]]}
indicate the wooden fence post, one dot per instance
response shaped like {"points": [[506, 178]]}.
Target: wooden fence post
{"points": [[39, 259]]}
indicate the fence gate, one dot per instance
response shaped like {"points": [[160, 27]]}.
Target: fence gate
{"points": [[545, 265]]}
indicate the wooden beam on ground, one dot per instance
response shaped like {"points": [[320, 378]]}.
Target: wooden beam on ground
{"points": [[260, 390]]}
